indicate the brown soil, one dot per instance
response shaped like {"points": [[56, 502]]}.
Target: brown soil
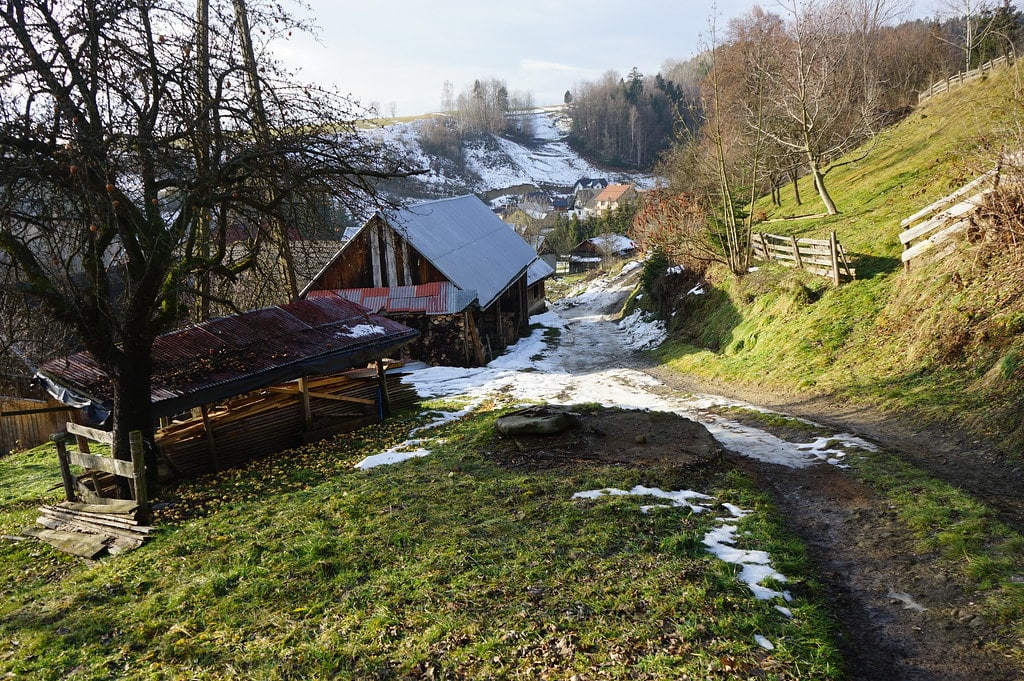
{"points": [[613, 436], [904, 615]]}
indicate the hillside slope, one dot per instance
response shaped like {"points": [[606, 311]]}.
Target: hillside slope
{"points": [[499, 167], [943, 343]]}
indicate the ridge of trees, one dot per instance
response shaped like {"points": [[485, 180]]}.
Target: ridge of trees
{"points": [[627, 122], [786, 94]]}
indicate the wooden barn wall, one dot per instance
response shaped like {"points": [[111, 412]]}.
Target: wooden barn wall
{"points": [[28, 430], [377, 256]]}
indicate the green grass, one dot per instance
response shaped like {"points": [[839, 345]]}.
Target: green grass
{"points": [[300, 566], [942, 341]]}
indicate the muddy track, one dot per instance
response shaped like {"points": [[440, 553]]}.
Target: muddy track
{"points": [[904, 617]]}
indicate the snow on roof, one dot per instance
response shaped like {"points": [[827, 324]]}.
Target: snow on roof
{"points": [[614, 243], [467, 242], [538, 270]]}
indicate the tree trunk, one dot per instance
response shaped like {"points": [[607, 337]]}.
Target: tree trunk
{"points": [[819, 184], [133, 407]]}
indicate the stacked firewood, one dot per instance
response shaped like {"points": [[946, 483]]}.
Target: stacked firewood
{"points": [[91, 530]]}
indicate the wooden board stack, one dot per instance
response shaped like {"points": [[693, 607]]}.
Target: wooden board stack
{"points": [[90, 530]]}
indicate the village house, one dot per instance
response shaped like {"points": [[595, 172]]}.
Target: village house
{"points": [[613, 196], [449, 268], [584, 191], [590, 253]]}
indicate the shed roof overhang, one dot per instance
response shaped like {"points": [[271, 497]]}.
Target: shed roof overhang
{"points": [[233, 355]]}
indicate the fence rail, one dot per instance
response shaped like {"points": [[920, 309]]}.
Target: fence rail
{"points": [[820, 256], [959, 79], [944, 219]]}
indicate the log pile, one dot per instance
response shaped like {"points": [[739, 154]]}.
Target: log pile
{"points": [[91, 530]]}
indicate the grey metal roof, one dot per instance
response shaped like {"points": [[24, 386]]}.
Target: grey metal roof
{"points": [[467, 242], [538, 270]]}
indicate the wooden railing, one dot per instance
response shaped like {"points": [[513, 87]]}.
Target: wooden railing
{"points": [[134, 470], [820, 256], [944, 219], [959, 79], [951, 215]]}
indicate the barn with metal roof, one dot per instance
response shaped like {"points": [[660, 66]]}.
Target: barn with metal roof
{"points": [[453, 258]]}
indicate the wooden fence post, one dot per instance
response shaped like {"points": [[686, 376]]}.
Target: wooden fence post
{"points": [[385, 397], [307, 409], [139, 475], [833, 246], [65, 466], [796, 252]]}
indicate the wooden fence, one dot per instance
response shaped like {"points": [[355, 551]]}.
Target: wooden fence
{"points": [[27, 423], [820, 256], [939, 222], [101, 471], [959, 79]]}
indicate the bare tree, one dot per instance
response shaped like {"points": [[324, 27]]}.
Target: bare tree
{"points": [[131, 172], [820, 105]]}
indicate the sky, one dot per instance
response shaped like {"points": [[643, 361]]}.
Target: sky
{"points": [[399, 54]]}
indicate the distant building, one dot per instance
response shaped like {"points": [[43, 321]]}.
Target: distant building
{"points": [[613, 196]]}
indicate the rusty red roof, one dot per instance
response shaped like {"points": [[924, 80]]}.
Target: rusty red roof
{"points": [[232, 355], [436, 298]]}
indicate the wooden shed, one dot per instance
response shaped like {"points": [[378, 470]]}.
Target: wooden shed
{"points": [[238, 387], [458, 243]]}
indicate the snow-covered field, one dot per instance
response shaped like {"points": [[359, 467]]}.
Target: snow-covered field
{"points": [[548, 161]]}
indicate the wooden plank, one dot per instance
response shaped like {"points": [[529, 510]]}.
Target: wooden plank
{"points": [[324, 396], [948, 199], [96, 434], [116, 506], [31, 412], [102, 463], [935, 239], [97, 523], [88, 546]]}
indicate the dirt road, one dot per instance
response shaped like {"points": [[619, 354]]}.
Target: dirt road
{"points": [[905, 616]]}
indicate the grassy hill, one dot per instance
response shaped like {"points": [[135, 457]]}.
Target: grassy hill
{"points": [[944, 342], [451, 566]]}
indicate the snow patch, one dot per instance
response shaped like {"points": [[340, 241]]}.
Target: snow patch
{"points": [[363, 330]]}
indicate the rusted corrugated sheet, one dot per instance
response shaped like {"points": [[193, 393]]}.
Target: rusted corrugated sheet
{"points": [[436, 298], [232, 355]]}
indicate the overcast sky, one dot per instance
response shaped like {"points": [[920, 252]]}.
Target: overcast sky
{"points": [[401, 52]]}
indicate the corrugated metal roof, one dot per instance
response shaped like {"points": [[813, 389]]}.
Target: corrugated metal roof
{"points": [[232, 355], [538, 270], [466, 242], [437, 298]]}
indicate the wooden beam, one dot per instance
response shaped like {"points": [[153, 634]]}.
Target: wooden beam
{"points": [[211, 442], [307, 410], [106, 464], [382, 385], [323, 396], [104, 436], [65, 466], [139, 479]]}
